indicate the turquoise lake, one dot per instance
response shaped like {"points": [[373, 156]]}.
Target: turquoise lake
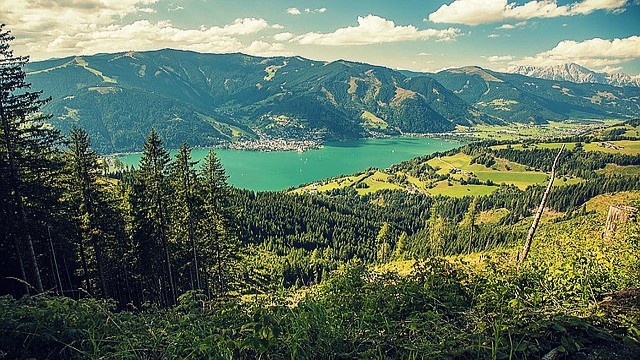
{"points": [[278, 170]]}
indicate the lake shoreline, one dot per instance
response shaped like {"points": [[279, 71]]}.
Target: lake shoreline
{"points": [[301, 146], [280, 170]]}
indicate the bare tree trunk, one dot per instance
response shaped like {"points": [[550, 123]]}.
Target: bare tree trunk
{"points": [[16, 243], [167, 258], [85, 268], [55, 262], [536, 219]]}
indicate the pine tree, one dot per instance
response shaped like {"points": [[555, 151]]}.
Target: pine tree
{"points": [[184, 209], [468, 224], [436, 226], [218, 230], [150, 201], [383, 243], [27, 159], [84, 195]]}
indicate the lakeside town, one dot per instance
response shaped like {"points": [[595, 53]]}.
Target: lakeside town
{"points": [[273, 145]]}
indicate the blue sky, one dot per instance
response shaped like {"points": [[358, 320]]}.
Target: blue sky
{"points": [[409, 34]]}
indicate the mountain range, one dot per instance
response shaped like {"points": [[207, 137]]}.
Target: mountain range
{"points": [[206, 99], [576, 73]]}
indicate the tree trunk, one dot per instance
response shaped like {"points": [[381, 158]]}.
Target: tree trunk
{"points": [[618, 215], [13, 183], [167, 257], [55, 262], [536, 219], [16, 243]]}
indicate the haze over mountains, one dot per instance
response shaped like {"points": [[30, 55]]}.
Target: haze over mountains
{"points": [[209, 98]]}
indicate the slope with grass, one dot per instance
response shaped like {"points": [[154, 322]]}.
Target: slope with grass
{"points": [[456, 176]]}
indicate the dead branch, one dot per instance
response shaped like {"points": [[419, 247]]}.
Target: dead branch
{"points": [[536, 219]]}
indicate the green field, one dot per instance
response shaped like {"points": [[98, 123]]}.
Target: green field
{"points": [[526, 131], [457, 190], [625, 147], [377, 181], [460, 169], [613, 169], [503, 171]]}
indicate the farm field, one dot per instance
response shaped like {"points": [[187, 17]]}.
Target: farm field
{"points": [[460, 183], [613, 169], [625, 147], [547, 131]]}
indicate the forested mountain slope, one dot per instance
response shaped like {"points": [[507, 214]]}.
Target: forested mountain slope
{"points": [[206, 98], [518, 98], [209, 98]]}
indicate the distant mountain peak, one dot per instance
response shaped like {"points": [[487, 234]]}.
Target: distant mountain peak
{"points": [[575, 73]]}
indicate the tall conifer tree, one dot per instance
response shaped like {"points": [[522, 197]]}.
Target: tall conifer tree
{"points": [[185, 202], [219, 236], [151, 192], [27, 152], [84, 195]]}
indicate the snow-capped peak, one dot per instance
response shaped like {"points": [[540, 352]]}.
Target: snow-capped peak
{"points": [[576, 73]]}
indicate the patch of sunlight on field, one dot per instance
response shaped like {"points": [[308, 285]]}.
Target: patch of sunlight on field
{"points": [[492, 216], [458, 190], [614, 169], [602, 202]]}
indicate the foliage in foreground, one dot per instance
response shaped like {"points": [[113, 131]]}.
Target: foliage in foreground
{"points": [[465, 307]]}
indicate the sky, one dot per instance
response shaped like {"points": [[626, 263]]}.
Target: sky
{"points": [[427, 35]]}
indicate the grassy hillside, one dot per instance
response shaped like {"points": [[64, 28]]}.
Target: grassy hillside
{"points": [[459, 177]]}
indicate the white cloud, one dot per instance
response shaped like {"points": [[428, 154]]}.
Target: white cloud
{"points": [[475, 12], [54, 28], [590, 53], [373, 29], [144, 35], [424, 54], [511, 26], [37, 23], [470, 12], [315, 11], [293, 11], [493, 36], [499, 58], [262, 48], [285, 36], [610, 69], [277, 26], [175, 8]]}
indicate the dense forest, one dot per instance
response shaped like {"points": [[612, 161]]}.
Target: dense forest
{"points": [[167, 260]]}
